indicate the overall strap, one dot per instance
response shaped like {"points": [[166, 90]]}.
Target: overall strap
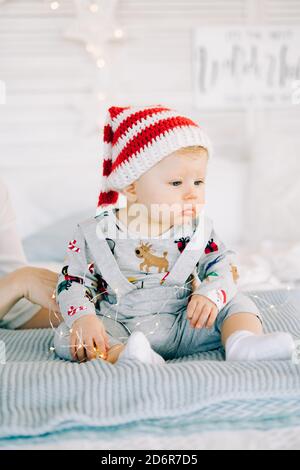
{"points": [[193, 251], [104, 258]]}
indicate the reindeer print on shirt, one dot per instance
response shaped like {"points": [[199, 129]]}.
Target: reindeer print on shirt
{"points": [[144, 251]]}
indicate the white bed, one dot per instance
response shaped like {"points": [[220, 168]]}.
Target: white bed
{"points": [[252, 439], [45, 234]]}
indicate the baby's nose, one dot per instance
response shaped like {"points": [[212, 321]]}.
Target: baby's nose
{"points": [[191, 194]]}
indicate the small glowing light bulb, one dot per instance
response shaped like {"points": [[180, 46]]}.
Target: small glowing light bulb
{"points": [[101, 96], [100, 63], [93, 7], [90, 47], [54, 5], [118, 33]]}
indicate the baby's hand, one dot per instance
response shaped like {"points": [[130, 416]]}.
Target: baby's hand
{"points": [[88, 339], [201, 311]]}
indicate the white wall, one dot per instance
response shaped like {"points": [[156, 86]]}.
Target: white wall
{"points": [[50, 151]]}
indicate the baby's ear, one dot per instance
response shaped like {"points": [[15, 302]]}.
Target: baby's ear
{"points": [[130, 192]]}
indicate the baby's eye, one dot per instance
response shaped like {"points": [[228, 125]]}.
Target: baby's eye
{"points": [[177, 183]]}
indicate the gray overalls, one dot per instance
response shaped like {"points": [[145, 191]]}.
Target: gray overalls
{"points": [[159, 312]]}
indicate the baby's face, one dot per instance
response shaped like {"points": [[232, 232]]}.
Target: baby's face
{"points": [[174, 189]]}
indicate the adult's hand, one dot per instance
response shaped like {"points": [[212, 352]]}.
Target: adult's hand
{"points": [[37, 285]]}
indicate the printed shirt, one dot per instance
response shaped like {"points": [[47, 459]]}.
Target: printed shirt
{"points": [[144, 262]]}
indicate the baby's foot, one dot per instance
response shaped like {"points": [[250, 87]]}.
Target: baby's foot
{"points": [[244, 345], [138, 347]]}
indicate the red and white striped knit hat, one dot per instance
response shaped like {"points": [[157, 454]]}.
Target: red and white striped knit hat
{"points": [[135, 139]]}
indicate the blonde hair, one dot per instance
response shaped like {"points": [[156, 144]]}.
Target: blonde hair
{"points": [[193, 149]]}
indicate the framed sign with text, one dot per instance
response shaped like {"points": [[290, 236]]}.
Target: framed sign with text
{"points": [[239, 67]]}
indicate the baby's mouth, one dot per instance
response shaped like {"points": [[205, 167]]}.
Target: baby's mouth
{"points": [[190, 210]]}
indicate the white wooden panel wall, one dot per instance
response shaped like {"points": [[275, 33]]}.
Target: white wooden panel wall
{"points": [[49, 163]]}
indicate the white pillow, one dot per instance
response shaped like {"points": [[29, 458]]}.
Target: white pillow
{"points": [[225, 197], [273, 190]]}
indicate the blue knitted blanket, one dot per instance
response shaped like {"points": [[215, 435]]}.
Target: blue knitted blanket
{"points": [[40, 393]]}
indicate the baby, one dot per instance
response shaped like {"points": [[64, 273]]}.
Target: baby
{"points": [[152, 281]]}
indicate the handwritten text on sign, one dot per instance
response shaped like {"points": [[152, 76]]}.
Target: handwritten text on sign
{"points": [[238, 67]]}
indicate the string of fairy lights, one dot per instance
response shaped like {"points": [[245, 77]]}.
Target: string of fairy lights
{"points": [[265, 307], [96, 26]]}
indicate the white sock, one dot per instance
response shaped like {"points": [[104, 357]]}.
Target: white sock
{"points": [[138, 347], [244, 345]]}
